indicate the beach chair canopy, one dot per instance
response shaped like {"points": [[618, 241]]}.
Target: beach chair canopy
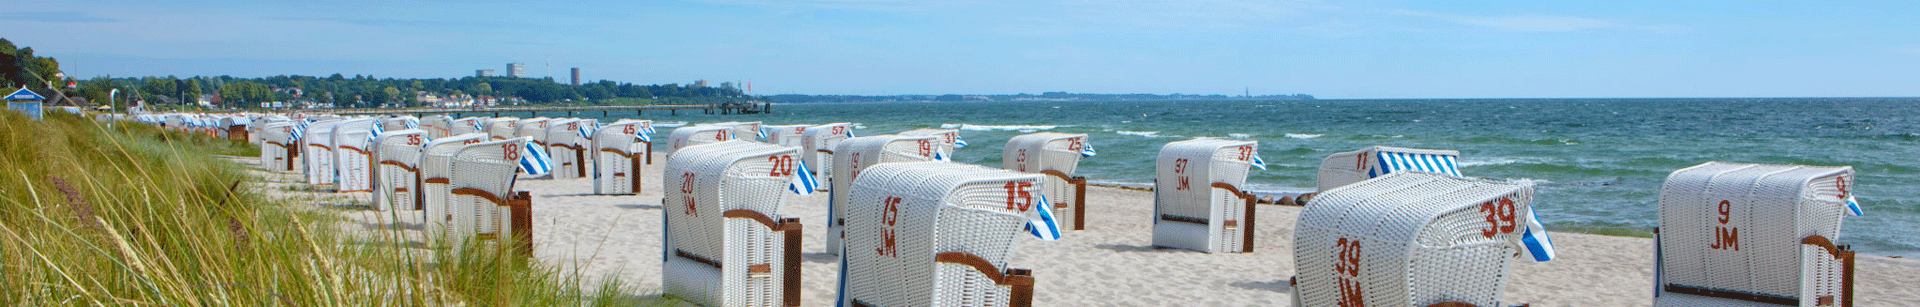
{"points": [[501, 128], [568, 146], [937, 234], [727, 243], [687, 136], [750, 131], [482, 182], [619, 150], [533, 128], [785, 135], [1737, 234], [1411, 239], [436, 172], [353, 155], [397, 172], [854, 154], [274, 148], [818, 143], [1353, 166], [467, 125], [319, 151], [949, 139], [1199, 203]]}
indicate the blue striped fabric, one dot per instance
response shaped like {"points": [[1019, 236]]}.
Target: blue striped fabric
{"points": [[958, 142], [1040, 222], [1431, 163], [803, 182], [534, 160]]}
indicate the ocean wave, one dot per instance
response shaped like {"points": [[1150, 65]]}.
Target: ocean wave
{"points": [[669, 124], [1495, 161], [1239, 135], [1139, 133], [1021, 128], [1303, 135], [1532, 181], [859, 126]]}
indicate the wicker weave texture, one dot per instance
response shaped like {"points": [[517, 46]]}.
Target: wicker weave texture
{"points": [[1410, 239], [745, 131], [786, 135], [490, 167], [317, 151], [565, 146], [818, 138], [501, 128], [1184, 194], [613, 171], [1037, 152], [702, 183], [535, 128], [273, 157], [697, 135], [948, 138], [397, 170], [903, 214], [854, 154], [352, 158], [1737, 227], [436, 162]]}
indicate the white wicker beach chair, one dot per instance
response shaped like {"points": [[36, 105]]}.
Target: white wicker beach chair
{"points": [[1411, 239], [396, 182], [854, 154], [687, 136], [786, 135], [726, 242], [949, 140], [436, 172], [818, 150], [482, 201], [535, 128], [235, 128], [749, 131], [467, 125], [936, 234], [1354, 166], [437, 126], [501, 128], [1735, 234], [275, 152], [619, 151], [1198, 203], [567, 147], [1055, 155], [319, 152], [397, 123], [352, 155]]}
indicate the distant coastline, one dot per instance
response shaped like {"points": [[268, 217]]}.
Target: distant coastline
{"points": [[1047, 96]]}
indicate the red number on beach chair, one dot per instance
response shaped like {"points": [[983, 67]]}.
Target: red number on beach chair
{"points": [[1021, 160], [782, 165], [1074, 144], [926, 148], [630, 129], [1841, 182], [720, 136], [839, 130], [1726, 238], [686, 193], [1246, 152], [1499, 212], [512, 151], [1018, 198], [1180, 173], [413, 140], [855, 167], [1346, 266], [573, 126], [888, 217], [1360, 162]]}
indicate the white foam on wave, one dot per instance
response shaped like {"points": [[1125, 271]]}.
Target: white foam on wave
{"points": [[1531, 181], [1303, 135], [1139, 133], [1239, 135], [1502, 161], [1021, 128], [669, 124]]}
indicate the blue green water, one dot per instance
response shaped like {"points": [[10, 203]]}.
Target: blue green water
{"points": [[1597, 163]]}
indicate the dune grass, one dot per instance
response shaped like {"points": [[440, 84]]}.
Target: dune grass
{"points": [[133, 215]]}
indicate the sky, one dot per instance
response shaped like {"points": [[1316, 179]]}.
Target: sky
{"points": [[1330, 49]]}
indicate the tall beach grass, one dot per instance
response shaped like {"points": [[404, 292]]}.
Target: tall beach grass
{"points": [[134, 215]]}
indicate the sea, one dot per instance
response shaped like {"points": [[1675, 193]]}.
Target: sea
{"points": [[1597, 164]]}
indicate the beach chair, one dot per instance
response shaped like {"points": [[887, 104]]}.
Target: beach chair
{"points": [[396, 182], [1736, 234], [235, 128], [278, 149], [854, 154], [352, 155], [1414, 239], [937, 234], [818, 146], [534, 128], [687, 136], [399, 123], [1198, 200], [501, 128], [467, 125], [1354, 166], [727, 243], [749, 131], [484, 206], [949, 140], [319, 151], [436, 172], [619, 151], [785, 135], [437, 126], [1055, 155], [567, 147]]}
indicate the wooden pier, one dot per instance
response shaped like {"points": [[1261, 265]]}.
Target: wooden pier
{"points": [[672, 109]]}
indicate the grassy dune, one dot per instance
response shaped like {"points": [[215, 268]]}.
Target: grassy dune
{"points": [[133, 215]]}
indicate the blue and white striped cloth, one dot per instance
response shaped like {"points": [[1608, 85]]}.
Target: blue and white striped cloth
{"points": [[1086, 150], [1040, 222], [587, 132], [299, 131], [413, 123], [1431, 163], [1854, 206], [803, 182], [958, 142], [377, 131], [763, 132], [1258, 163], [534, 160], [1539, 246]]}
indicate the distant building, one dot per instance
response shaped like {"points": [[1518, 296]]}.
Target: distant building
{"points": [[516, 70], [483, 73], [699, 83], [576, 76]]}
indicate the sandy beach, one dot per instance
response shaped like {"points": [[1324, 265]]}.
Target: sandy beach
{"points": [[1111, 263]]}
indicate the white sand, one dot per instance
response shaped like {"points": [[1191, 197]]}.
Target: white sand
{"points": [[1111, 263]]}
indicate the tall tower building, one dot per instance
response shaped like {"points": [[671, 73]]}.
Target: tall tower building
{"points": [[576, 76], [517, 70], [483, 73]]}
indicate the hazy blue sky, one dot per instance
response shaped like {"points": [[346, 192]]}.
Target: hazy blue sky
{"points": [[1333, 49]]}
